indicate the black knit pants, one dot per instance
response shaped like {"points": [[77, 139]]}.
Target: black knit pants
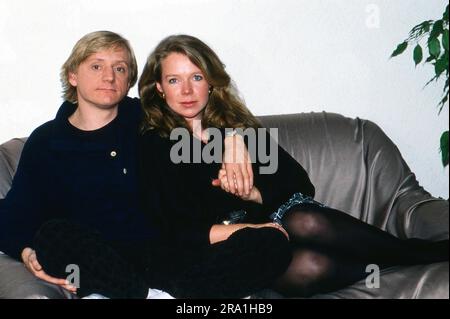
{"points": [[251, 259]]}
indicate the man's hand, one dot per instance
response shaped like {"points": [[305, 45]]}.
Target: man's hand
{"points": [[29, 258], [222, 181], [238, 166]]}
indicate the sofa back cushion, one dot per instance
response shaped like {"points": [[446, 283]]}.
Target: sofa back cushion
{"points": [[353, 165], [9, 159]]}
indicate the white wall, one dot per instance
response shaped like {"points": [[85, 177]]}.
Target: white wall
{"points": [[286, 56]]}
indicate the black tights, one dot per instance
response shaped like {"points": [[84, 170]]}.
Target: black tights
{"points": [[332, 249]]}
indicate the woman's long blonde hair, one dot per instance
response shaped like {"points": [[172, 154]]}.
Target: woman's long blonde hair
{"points": [[225, 109]]}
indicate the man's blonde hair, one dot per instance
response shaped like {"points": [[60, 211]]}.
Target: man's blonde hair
{"points": [[88, 45]]}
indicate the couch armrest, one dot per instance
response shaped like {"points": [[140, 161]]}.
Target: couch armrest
{"points": [[9, 159], [427, 219], [16, 282]]}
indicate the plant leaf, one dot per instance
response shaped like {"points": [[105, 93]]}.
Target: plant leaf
{"points": [[420, 29], [445, 15], [400, 49], [430, 58], [444, 148], [445, 39], [438, 28], [441, 65], [434, 78], [418, 54], [434, 47], [442, 103], [445, 96]]}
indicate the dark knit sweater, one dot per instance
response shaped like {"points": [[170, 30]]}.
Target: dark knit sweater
{"points": [[189, 205], [88, 177]]}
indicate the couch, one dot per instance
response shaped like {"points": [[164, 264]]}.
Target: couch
{"points": [[355, 167]]}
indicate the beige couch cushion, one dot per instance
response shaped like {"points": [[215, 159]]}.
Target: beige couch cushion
{"points": [[9, 158]]}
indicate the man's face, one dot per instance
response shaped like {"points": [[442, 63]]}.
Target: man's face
{"points": [[102, 79]]}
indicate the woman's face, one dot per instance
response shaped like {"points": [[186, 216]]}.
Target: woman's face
{"points": [[184, 86]]}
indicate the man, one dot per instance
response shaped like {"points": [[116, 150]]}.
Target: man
{"points": [[80, 170], [80, 166]]}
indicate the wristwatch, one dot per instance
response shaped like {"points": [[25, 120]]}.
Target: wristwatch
{"points": [[235, 217], [230, 133]]}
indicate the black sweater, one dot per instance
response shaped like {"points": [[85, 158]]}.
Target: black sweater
{"points": [[86, 177], [187, 205]]}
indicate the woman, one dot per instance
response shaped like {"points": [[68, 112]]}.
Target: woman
{"points": [[184, 85]]}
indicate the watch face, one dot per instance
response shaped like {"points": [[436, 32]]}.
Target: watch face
{"points": [[235, 217]]}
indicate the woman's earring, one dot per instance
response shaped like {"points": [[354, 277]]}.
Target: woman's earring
{"points": [[210, 89], [163, 96]]}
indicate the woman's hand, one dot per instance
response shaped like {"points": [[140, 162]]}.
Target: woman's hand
{"points": [[219, 233], [238, 166], [274, 225], [29, 258], [222, 181]]}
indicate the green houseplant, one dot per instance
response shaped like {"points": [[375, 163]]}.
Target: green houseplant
{"points": [[433, 34]]}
